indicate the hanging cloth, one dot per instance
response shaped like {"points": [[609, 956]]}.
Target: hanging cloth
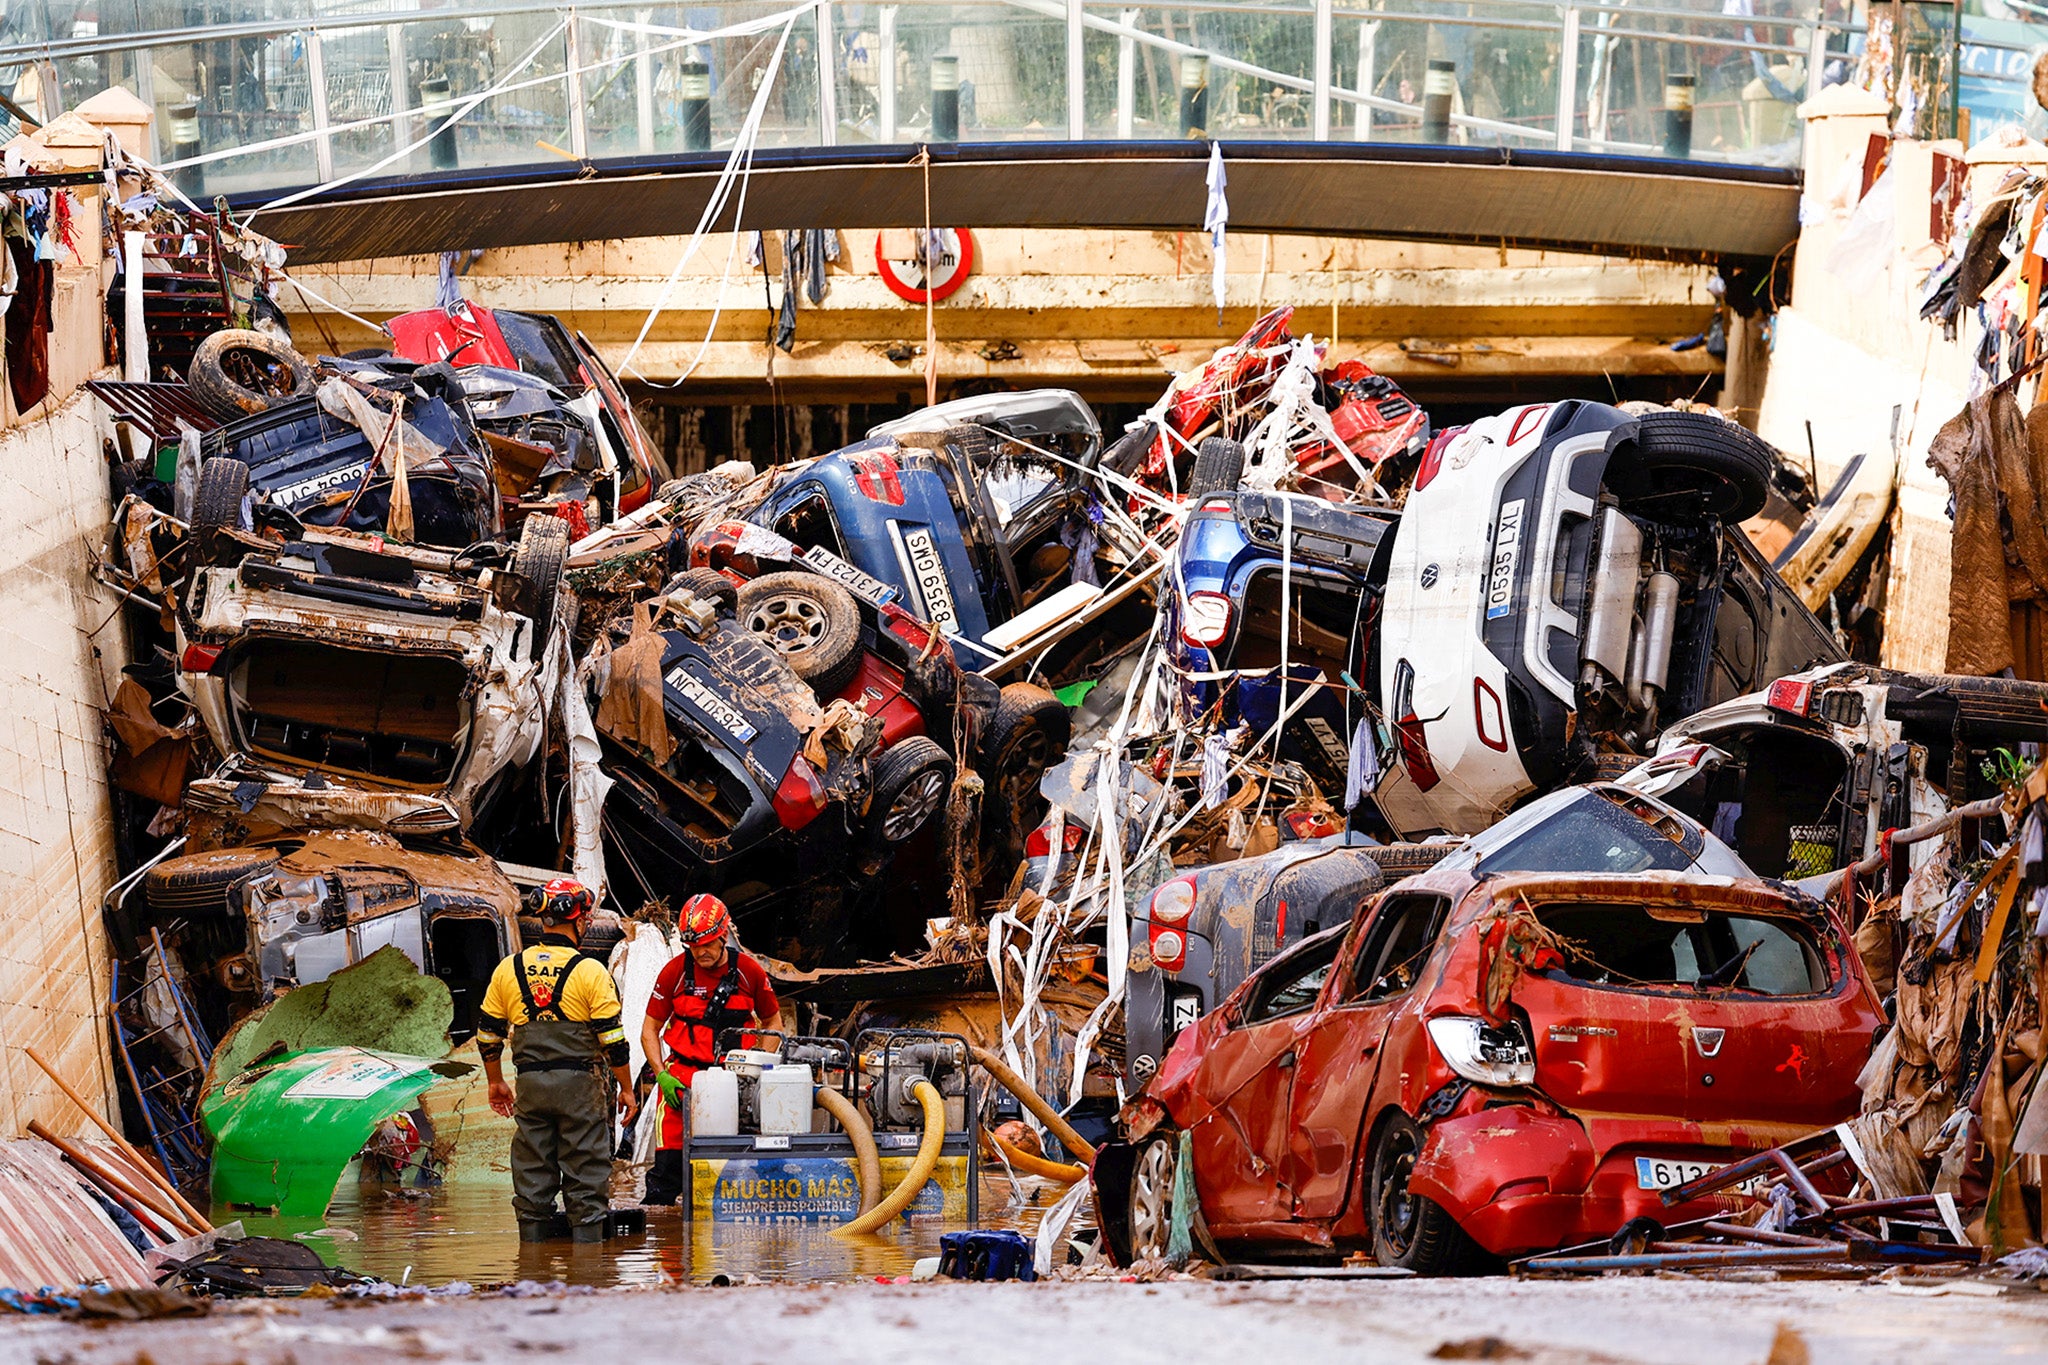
{"points": [[1215, 216], [28, 326]]}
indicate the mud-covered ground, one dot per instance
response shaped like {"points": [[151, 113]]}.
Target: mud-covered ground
{"points": [[1655, 1321]]}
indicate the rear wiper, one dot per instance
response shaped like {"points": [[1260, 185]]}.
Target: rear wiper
{"points": [[1725, 974]]}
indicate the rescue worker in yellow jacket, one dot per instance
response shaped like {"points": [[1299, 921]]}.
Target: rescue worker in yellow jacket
{"points": [[561, 1011]]}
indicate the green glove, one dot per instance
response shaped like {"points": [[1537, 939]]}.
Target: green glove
{"points": [[673, 1090]]}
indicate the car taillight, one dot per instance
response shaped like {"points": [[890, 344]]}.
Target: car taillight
{"points": [[199, 658], [801, 796], [1038, 843], [1173, 902], [1433, 457], [1789, 695], [1207, 621], [1169, 950], [1218, 505], [1415, 752]]}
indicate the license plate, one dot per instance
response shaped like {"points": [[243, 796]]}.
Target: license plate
{"points": [[865, 586], [721, 712], [1507, 548], [1664, 1173], [1186, 1010], [929, 573]]}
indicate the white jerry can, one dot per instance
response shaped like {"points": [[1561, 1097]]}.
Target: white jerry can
{"points": [[785, 1099], [714, 1103]]}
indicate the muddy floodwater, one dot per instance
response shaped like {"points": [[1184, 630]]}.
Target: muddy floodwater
{"points": [[467, 1232]]}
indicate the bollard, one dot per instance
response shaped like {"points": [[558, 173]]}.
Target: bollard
{"points": [[441, 148], [945, 99], [1679, 89], [694, 83], [1194, 94], [1438, 86], [185, 141]]}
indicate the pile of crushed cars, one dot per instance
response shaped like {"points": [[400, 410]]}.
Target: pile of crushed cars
{"points": [[1436, 839]]}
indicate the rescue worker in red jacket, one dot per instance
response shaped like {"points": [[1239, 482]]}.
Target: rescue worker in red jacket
{"points": [[709, 987], [561, 1011]]}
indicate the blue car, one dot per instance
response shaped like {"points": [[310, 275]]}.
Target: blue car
{"points": [[1224, 615], [972, 511]]}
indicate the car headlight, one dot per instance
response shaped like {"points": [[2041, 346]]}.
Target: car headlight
{"points": [[1479, 1052]]}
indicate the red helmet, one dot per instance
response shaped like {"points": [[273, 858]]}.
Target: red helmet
{"points": [[565, 899], [704, 920]]}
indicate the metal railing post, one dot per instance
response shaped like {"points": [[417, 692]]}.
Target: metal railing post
{"points": [[1126, 76], [643, 83], [1368, 74], [400, 83], [1077, 111], [1816, 57], [316, 100], [828, 79], [1319, 106], [1568, 81], [145, 90], [579, 129], [885, 75]]}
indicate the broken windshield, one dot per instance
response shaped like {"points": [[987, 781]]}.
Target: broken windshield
{"points": [[1637, 945], [1589, 835]]}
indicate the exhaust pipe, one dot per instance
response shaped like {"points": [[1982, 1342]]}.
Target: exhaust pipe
{"points": [[1605, 655], [1650, 664]]}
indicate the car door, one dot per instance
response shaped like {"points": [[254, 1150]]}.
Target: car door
{"points": [[1244, 1082], [1340, 1055]]}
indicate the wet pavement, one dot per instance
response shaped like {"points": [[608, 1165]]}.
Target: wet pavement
{"points": [[466, 1231]]}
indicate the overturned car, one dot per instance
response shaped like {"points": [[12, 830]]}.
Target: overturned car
{"points": [[805, 739], [341, 660]]}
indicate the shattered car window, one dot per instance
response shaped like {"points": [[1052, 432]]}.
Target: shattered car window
{"points": [[540, 349], [1592, 835], [1296, 984], [1633, 945]]}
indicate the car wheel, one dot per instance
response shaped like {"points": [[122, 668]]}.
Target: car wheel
{"points": [[543, 549], [1409, 1230], [203, 883], [1151, 1206], [217, 506], [911, 780], [711, 585], [604, 932], [1219, 464], [1027, 735], [1689, 464], [812, 622], [238, 373]]}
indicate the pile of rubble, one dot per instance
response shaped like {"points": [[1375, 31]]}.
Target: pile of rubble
{"points": [[1095, 750]]}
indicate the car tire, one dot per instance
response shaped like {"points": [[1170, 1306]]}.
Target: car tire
{"points": [[203, 883], [1150, 1211], [1396, 861], [239, 373], [1689, 464], [217, 506], [711, 585], [604, 932], [1410, 1231], [1028, 734], [543, 549], [1219, 464], [811, 622], [910, 782], [977, 451]]}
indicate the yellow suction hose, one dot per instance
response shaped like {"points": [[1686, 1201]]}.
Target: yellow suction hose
{"points": [[920, 1169], [995, 1066], [1027, 1164], [868, 1159]]}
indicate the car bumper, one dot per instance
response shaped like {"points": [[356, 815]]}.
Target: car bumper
{"points": [[1520, 1180]]}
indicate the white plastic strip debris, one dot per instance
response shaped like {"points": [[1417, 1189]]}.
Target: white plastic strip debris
{"points": [[588, 784], [738, 170], [1052, 1228]]}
